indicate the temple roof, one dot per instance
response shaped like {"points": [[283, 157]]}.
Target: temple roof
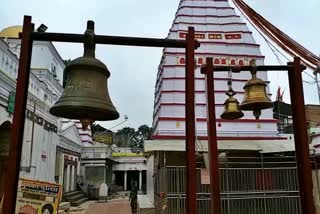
{"points": [[11, 32], [225, 37]]}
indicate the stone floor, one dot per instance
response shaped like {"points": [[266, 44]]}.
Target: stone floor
{"points": [[119, 206]]}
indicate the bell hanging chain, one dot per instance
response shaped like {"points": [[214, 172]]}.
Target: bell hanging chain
{"points": [[231, 105], [230, 91]]}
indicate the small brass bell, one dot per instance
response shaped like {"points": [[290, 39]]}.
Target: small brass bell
{"points": [[86, 96], [255, 98], [231, 106]]}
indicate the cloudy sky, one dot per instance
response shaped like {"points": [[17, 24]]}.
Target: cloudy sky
{"points": [[133, 70]]}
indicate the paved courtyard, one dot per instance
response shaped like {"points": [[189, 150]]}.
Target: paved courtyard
{"points": [[118, 206]]}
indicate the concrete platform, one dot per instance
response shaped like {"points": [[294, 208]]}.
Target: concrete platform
{"points": [[145, 205], [116, 206], [64, 206]]}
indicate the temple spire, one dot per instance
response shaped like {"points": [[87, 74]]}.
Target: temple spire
{"points": [[225, 37]]}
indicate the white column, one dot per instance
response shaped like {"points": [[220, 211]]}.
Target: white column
{"points": [[68, 179], [140, 179], [72, 178], [78, 167], [125, 181], [61, 168], [113, 177]]}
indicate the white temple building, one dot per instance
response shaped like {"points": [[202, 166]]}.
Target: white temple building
{"points": [[57, 150], [52, 146], [225, 37]]}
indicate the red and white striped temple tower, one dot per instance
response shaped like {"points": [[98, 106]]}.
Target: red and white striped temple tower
{"points": [[225, 37]]}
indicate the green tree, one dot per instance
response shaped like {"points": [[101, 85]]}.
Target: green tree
{"points": [[143, 133], [133, 138], [66, 61], [124, 136]]}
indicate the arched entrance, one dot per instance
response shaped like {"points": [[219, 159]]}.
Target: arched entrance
{"points": [[5, 129]]}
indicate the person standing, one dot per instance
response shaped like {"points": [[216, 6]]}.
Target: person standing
{"points": [[133, 198]]}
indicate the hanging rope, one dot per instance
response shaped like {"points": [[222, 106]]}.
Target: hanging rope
{"points": [[286, 43]]}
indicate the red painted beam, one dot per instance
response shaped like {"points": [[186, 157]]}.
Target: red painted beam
{"points": [[203, 23], [212, 140], [207, 16], [216, 54], [221, 120], [214, 31], [301, 137], [16, 140], [191, 200], [206, 7], [175, 137]]}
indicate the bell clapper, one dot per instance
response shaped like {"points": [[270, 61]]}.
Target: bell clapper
{"points": [[257, 113], [85, 123]]}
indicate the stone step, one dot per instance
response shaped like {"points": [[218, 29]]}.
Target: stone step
{"points": [[64, 205], [76, 197], [72, 193], [79, 201]]}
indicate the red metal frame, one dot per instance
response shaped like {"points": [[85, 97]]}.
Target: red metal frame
{"points": [[212, 139], [301, 137], [300, 131], [298, 111], [191, 202], [16, 141]]}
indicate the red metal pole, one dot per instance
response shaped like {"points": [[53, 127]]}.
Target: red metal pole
{"points": [[191, 202], [301, 137], [15, 150], [212, 139]]}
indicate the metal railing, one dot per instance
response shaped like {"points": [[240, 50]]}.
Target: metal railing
{"points": [[236, 180], [240, 205], [247, 187]]}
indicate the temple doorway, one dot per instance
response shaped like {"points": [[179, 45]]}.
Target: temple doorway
{"points": [[133, 176], [5, 129]]}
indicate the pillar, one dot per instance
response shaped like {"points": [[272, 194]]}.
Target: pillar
{"points": [[125, 181], [113, 179], [72, 178], [140, 179], [78, 167], [68, 179], [61, 167]]}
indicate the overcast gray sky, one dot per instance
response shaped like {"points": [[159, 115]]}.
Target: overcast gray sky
{"points": [[133, 70]]}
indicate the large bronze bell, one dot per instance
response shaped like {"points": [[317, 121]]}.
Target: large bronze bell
{"points": [[86, 96], [231, 107], [255, 98]]}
